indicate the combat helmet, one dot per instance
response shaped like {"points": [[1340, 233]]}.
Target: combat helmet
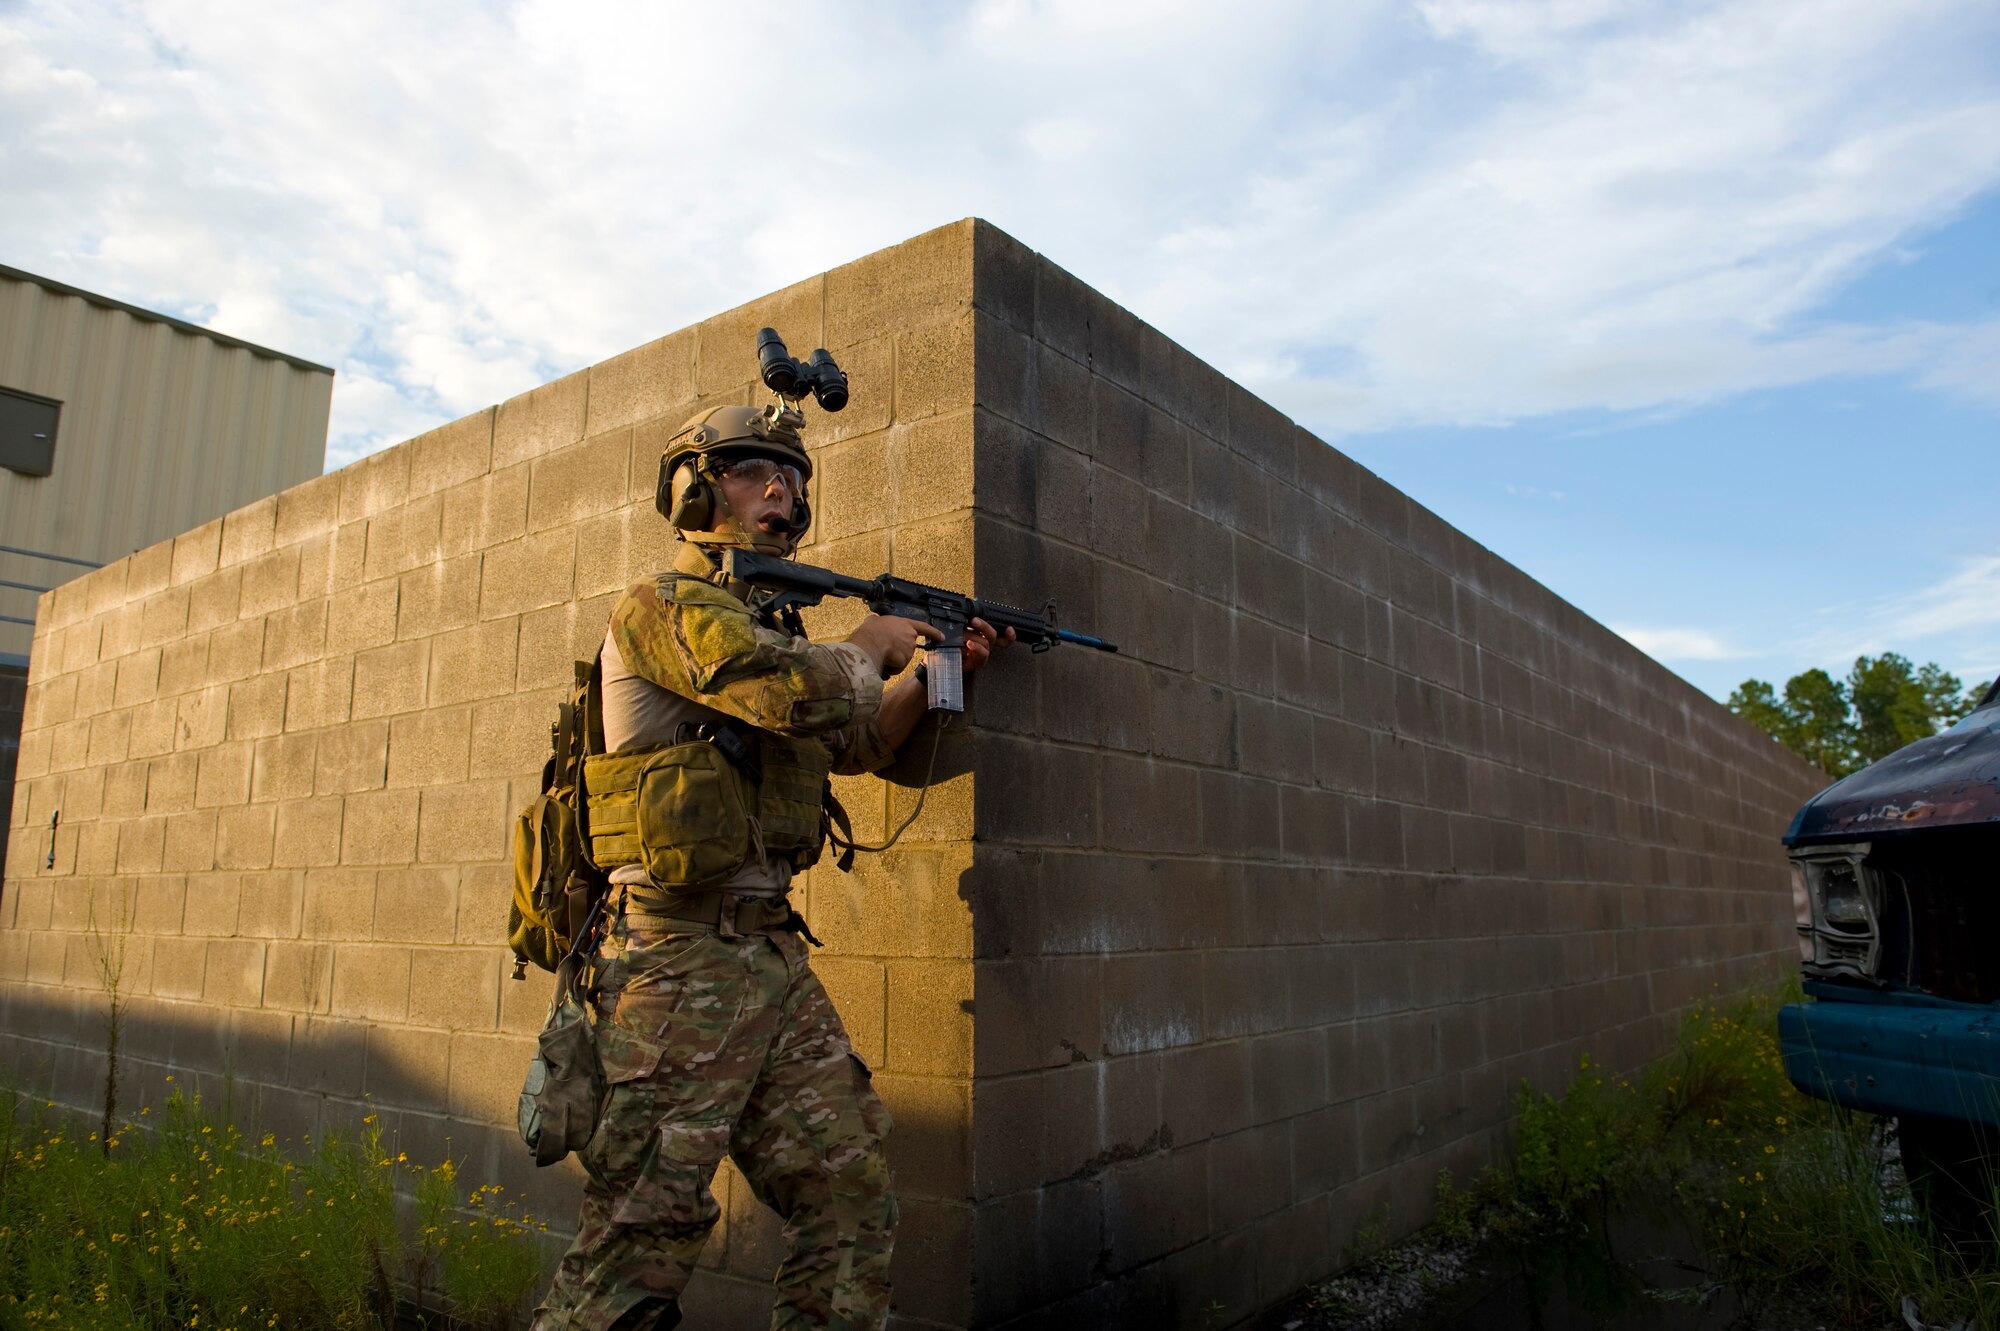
{"points": [[688, 494]]}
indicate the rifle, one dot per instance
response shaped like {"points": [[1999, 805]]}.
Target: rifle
{"points": [[802, 584]]}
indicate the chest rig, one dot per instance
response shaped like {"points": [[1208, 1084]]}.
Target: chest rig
{"points": [[694, 811]]}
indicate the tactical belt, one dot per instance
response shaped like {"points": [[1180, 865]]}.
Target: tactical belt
{"points": [[730, 914]]}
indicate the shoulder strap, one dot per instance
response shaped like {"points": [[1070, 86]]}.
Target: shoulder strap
{"points": [[589, 696]]}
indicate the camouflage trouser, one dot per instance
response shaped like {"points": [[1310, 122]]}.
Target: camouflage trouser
{"points": [[715, 1046]]}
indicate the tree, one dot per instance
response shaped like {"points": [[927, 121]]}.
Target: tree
{"points": [[1840, 728], [1896, 705]]}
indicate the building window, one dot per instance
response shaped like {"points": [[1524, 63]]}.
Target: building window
{"points": [[28, 432]]}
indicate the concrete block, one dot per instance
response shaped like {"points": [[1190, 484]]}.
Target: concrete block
{"points": [[933, 466], [458, 988], [416, 905], [579, 481], [362, 617], [485, 512], [137, 679], [925, 280], [244, 837], [79, 645], [318, 694], [848, 488], [390, 679], [141, 845], [464, 822], [725, 344], [929, 1027], [371, 982], [295, 635], [408, 1067], [163, 785], [452, 453], [484, 892], [234, 975], [1191, 720], [540, 420], [110, 734], [1151, 1002], [271, 905], [183, 666], [179, 965], [190, 842], [935, 372], [378, 828], [441, 595], [308, 833], [375, 484], [223, 775], [329, 1056], [509, 736], [1118, 430], [281, 766], [256, 707], [527, 574], [307, 510], [353, 757], [472, 663], [403, 538], [298, 976], [96, 689], [641, 384], [425, 748], [1149, 805], [1062, 405], [486, 1072], [270, 582], [248, 531], [196, 553]]}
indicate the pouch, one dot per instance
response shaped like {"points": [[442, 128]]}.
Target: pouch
{"points": [[564, 1090]]}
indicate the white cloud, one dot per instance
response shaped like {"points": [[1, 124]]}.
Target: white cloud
{"points": [[1475, 211], [1682, 644]]}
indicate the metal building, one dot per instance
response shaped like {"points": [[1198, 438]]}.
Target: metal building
{"points": [[120, 427]]}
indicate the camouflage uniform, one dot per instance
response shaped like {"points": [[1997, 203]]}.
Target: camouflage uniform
{"points": [[724, 1042]]}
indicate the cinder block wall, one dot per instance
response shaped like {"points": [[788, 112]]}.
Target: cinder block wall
{"points": [[286, 748], [1274, 909], [1197, 955]]}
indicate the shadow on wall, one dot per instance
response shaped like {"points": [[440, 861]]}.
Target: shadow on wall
{"points": [[304, 1076]]}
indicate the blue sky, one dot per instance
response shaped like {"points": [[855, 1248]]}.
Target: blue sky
{"points": [[1688, 307]]}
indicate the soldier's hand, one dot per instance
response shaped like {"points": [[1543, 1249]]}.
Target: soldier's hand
{"points": [[981, 642], [891, 640]]}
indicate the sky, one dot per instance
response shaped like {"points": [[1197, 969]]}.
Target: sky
{"points": [[1690, 309]]}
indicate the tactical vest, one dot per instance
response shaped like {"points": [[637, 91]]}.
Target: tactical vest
{"points": [[696, 812]]}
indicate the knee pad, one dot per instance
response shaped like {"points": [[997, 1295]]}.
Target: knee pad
{"points": [[650, 1315]]}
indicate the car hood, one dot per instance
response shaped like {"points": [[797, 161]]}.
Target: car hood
{"points": [[1948, 780]]}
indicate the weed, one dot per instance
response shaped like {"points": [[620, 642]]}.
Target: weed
{"points": [[188, 1224], [1786, 1192]]}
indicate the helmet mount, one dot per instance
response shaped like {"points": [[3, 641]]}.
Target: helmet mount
{"points": [[688, 492]]}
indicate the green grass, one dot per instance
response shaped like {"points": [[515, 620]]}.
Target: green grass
{"points": [[177, 1222]]}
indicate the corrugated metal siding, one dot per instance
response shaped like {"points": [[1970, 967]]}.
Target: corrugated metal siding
{"points": [[161, 430]]}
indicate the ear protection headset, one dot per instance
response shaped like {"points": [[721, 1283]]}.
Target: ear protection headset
{"points": [[687, 490]]}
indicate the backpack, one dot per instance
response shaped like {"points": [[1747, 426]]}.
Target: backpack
{"points": [[557, 887]]}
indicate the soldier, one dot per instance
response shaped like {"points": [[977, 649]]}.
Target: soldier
{"points": [[714, 1035]]}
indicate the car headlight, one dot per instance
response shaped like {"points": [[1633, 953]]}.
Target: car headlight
{"points": [[1802, 912], [1837, 899]]}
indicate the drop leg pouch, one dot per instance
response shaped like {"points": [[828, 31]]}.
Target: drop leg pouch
{"points": [[564, 1090]]}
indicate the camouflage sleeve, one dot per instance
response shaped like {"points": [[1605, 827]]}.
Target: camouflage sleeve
{"points": [[860, 747], [699, 641]]}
